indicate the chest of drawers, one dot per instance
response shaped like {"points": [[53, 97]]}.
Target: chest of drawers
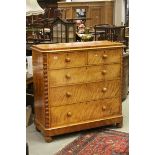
{"points": [[77, 86]]}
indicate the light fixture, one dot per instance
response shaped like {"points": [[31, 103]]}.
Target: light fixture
{"points": [[33, 8]]}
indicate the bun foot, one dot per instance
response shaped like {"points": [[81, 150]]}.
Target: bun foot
{"points": [[119, 125], [37, 129], [48, 139]]}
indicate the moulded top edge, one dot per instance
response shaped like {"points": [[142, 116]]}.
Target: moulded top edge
{"points": [[75, 45]]}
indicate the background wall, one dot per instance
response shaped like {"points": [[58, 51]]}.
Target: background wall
{"points": [[119, 18]]}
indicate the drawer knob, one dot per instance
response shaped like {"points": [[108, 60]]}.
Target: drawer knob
{"points": [[104, 89], [68, 94], [104, 108], [68, 76], [104, 72], [105, 56], [69, 114], [67, 59]]}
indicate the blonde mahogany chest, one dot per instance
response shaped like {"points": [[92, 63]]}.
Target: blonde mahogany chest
{"points": [[77, 86]]}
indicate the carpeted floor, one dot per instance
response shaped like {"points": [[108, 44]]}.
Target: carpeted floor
{"points": [[98, 142], [38, 146]]}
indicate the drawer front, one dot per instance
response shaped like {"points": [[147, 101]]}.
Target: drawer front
{"points": [[104, 56], [105, 72], [82, 112], [84, 92], [67, 76], [63, 60], [102, 90], [68, 94], [84, 74]]}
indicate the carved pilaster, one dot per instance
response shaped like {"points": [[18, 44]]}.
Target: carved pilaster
{"points": [[45, 79]]}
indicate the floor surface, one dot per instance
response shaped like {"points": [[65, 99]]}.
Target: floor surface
{"points": [[38, 146]]}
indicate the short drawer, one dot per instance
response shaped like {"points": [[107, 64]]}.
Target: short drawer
{"points": [[83, 92], [104, 56], [82, 112], [67, 76], [63, 60], [104, 72]]}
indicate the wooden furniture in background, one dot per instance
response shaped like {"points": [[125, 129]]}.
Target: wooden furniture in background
{"points": [[51, 31], [34, 33], [110, 32], [77, 86], [62, 31], [127, 36], [101, 12]]}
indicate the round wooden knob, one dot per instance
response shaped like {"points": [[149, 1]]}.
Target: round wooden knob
{"points": [[68, 76], [69, 114], [68, 94], [104, 108], [104, 72], [104, 89], [67, 59], [105, 56]]}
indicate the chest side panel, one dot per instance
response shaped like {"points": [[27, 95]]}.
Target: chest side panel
{"points": [[40, 76]]}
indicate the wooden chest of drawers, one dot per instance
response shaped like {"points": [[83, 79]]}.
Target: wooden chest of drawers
{"points": [[77, 86]]}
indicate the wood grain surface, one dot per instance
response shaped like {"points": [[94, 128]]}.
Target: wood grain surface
{"points": [[66, 59], [104, 56], [81, 92], [81, 112], [39, 105], [77, 86], [84, 74]]}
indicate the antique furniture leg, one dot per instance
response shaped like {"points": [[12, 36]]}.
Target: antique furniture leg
{"points": [[48, 139], [119, 125], [37, 129]]}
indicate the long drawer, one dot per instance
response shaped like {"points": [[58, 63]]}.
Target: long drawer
{"points": [[83, 92], [104, 56], [84, 74], [81, 112], [66, 59]]}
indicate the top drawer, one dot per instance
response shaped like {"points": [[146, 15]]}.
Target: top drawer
{"points": [[104, 56], [64, 60]]}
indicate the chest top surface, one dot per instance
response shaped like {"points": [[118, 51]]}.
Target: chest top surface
{"points": [[75, 46]]}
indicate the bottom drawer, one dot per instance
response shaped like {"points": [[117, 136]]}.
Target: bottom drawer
{"points": [[87, 111]]}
